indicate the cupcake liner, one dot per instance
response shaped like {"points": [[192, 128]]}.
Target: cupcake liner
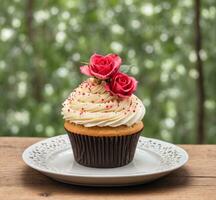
{"points": [[103, 152]]}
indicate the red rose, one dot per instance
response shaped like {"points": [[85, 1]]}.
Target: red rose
{"points": [[102, 67], [122, 85]]}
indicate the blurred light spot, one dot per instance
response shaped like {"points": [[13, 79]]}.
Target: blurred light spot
{"points": [[6, 34], [15, 51], [50, 131], [76, 57], [2, 64], [39, 128], [131, 53], [128, 2], [42, 62], [173, 92], [187, 3], [192, 57], [48, 89], [171, 109], [118, 8], [146, 102], [117, 29], [167, 65], [147, 9], [11, 9], [14, 129], [61, 26], [157, 46], [176, 17], [166, 135], [41, 16], [135, 24], [164, 37], [166, 5], [16, 23], [24, 115], [134, 70], [157, 9], [116, 47], [149, 64], [193, 73], [109, 13], [125, 68], [54, 10], [212, 12], [180, 69], [178, 40], [164, 77], [28, 49], [60, 36], [21, 89], [71, 4], [65, 15], [62, 72], [68, 64], [209, 13], [169, 122], [210, 104], [74, 24], [205, 13], [18, 117], [46, 108], [149, 49], [203, 54]]}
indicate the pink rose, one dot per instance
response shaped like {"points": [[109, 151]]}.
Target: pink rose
{"points": [[102, 67], [122, 85]]}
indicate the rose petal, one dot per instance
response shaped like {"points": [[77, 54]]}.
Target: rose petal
{"points": [[108, 89], [123, 96], [85, 70], [103, 67], [135, 82], [100, 76], [122, 85], [95, 58], [117, 60], [118, 87]]}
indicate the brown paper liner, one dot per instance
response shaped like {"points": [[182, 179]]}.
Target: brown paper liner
{"points": [[103, 152]]}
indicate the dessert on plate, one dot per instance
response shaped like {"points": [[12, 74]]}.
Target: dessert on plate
{"points": [[102, 116]]}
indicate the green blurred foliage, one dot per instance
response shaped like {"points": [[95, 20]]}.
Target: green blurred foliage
{"points": [[39, 69]]}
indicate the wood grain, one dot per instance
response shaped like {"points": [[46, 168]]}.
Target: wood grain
{"points": [[197, 180]]}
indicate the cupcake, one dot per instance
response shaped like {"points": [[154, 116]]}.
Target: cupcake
{"points": [[103, 118]]}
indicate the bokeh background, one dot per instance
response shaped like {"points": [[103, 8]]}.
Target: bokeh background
{"points": [[43, 43]]}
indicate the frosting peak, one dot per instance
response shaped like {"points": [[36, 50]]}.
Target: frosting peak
{"points": [[91, 105]]}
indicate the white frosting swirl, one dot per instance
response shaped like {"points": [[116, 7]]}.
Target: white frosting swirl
{"points": [[91, 105]]}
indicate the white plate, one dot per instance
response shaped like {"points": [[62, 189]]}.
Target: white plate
{"points": [[153, 159]]}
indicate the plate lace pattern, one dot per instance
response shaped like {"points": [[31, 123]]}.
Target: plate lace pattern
{"points": [[38, 155], [170, 156]]}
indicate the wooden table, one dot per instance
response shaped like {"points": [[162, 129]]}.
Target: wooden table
{"points": [[197, 180]]}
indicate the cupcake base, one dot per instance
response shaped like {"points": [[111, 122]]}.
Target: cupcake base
{"points": [[103, 152]]}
